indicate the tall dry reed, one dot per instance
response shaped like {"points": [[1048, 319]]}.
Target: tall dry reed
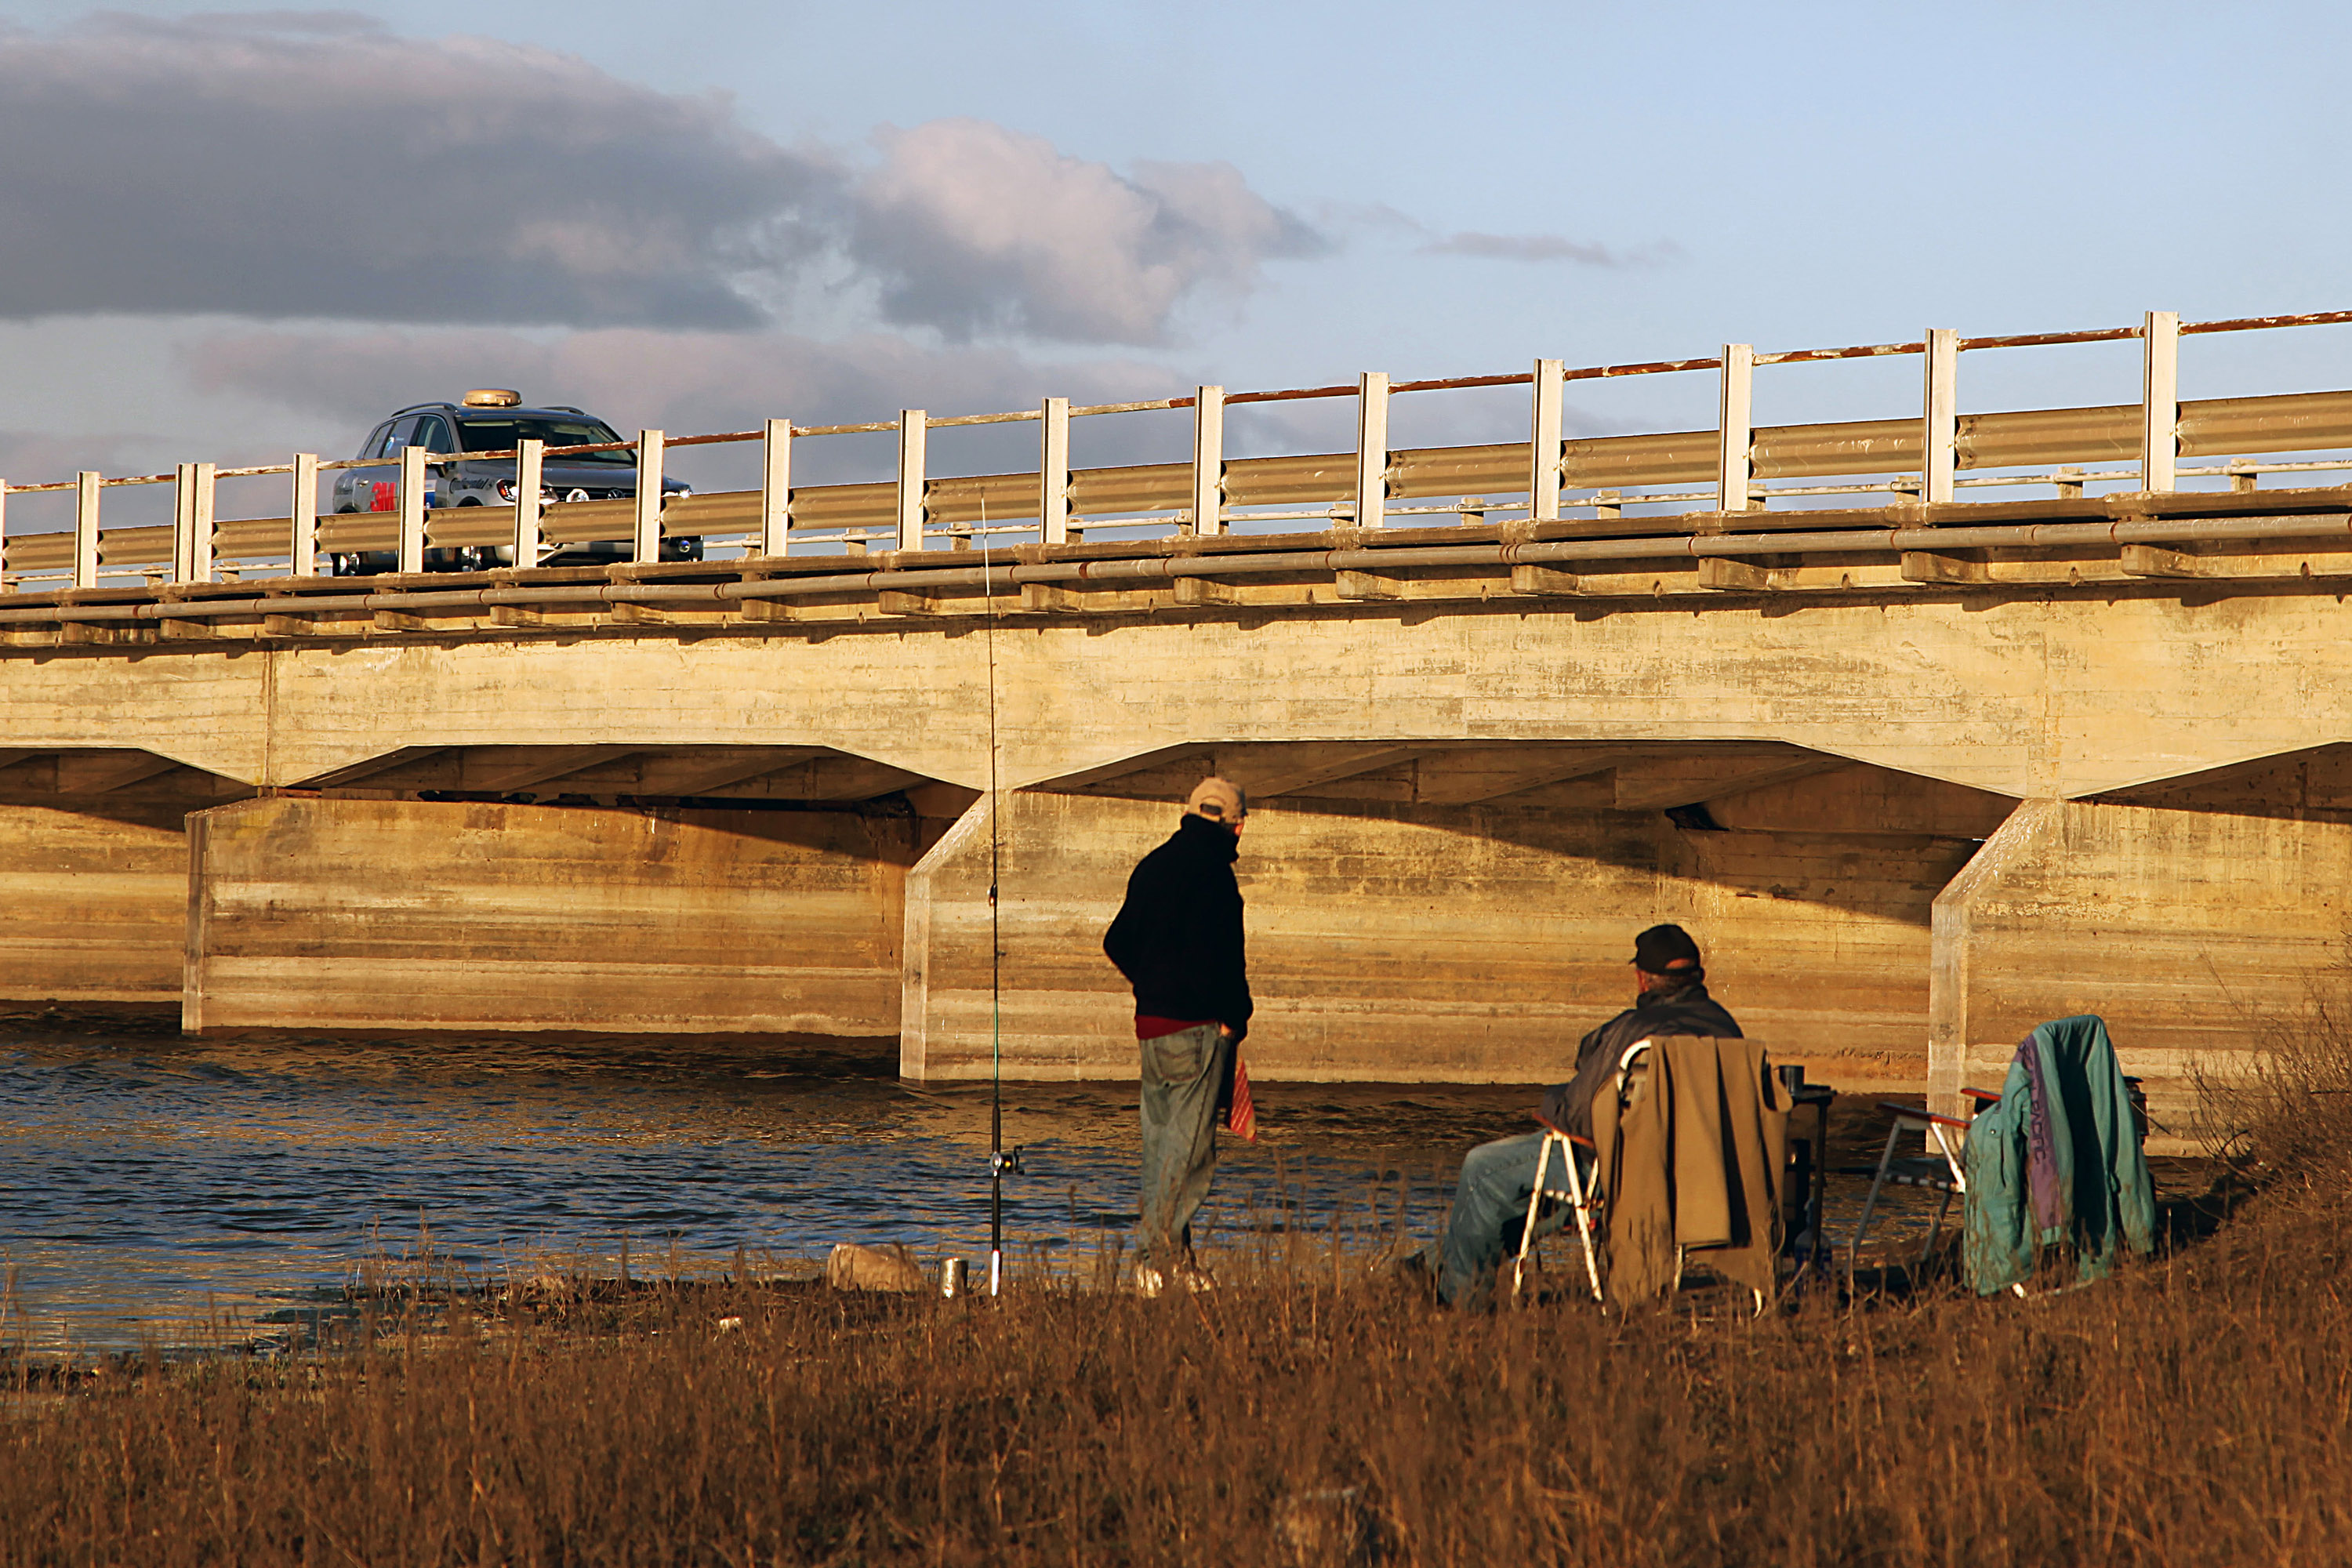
{"points": [[2284, 1112]]}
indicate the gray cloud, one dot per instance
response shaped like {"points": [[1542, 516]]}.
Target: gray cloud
{"points": [[314, 164], [1542, 248], [310, 163], [974, 228]]}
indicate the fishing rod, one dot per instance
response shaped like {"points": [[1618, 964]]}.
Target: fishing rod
{"points": [[998, 1162]]}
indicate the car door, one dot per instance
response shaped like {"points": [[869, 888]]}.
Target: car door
{"points": [[378, 490], [351, 485]]}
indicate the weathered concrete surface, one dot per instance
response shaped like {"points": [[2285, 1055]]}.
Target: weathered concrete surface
{"points": [[1460, 944], [2053, 693], [406, 914], [93, 907], [2068, 694], [2193, 932]]}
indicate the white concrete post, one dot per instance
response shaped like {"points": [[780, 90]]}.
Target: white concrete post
{"points": [[1053, 471], [1940, 426], [650, 497], [85, 557], [911, 429], [204, 478], [1543, 444], [530, 478], [2160, 399], [183, 514], [1209, 461], [1733, 421], [775, 487], [411, 509], [1371, 448], [302, 514]]}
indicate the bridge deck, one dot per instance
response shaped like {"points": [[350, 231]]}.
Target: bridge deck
{"points": [[1904, 550]]}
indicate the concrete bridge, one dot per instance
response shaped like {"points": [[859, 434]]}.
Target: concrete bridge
{"points": [[1919, 772]]}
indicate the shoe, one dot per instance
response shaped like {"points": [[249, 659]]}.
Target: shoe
{"points": [[1415, 1269], [1149, 1282], [1194, 1278]]}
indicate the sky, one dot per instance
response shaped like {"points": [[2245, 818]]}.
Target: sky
{"points": [[237, 235]]}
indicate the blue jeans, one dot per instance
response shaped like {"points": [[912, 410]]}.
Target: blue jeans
{"points": [[1182, 1073], [1490, 1204]]}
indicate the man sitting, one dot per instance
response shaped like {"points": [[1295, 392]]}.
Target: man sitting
{"points": [[1490, 1201]]}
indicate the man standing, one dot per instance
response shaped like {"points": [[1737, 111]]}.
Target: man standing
{"points": [[1177, 940], [1490, 1200]]}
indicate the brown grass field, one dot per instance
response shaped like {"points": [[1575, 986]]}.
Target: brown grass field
{"points": [[2194, 1410]]}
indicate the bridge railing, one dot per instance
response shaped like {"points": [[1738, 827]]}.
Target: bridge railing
{"points": [[1930, 455]]}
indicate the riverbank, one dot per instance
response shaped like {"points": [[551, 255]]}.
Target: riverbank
{"points": [[2193, 1410]]}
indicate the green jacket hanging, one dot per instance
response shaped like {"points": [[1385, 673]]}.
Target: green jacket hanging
{"points": [[2056, 1161]]}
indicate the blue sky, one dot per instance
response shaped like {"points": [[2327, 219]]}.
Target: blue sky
{"points": [[1427, 191]]}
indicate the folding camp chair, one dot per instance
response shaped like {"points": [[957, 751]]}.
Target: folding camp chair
{"points": [[1576, 1190], [1937, 1172], [1577, 1166]]}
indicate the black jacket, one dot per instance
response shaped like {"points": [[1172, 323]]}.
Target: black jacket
{"points": [[1690, 1011], [1178, 938]]}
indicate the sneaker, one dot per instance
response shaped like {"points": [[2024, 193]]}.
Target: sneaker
{"points": [[1149, 1282], [1194, 1278]]}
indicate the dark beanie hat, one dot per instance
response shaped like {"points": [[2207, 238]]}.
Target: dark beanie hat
{"points": [[1662, 950]]}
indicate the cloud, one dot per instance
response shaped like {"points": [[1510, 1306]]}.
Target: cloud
{"points": [[313, 164], [310, 163], [973, 229], [1541, 248]]}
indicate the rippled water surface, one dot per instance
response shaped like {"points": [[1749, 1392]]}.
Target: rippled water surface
{"points": [[151, 1182]]}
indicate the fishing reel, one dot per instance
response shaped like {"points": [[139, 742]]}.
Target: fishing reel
{"points": [[1007, 1164]]}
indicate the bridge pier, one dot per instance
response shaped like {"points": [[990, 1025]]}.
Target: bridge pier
{"points": [[2198, 928], [93, 903], [326, 913], [1458, 943]]}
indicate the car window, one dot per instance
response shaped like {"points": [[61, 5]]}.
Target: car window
{"points": [[395, 436], [433, 435], [373, 446], [504, 435]]}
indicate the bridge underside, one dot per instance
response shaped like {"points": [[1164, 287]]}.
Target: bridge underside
{"points": [[1904, 834], [1418, 910]]}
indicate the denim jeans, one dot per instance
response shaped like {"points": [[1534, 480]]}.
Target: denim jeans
{"points": [[1490, 1206], [1180, 1076]]}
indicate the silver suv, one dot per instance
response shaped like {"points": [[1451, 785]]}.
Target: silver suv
{"points": [[491, 422]]}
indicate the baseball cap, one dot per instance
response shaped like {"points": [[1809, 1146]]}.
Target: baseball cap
{"points": [[1662, 949], [1217, 800]]}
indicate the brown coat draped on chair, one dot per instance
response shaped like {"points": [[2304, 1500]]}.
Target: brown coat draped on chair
{"points": [[1693, 1161]]}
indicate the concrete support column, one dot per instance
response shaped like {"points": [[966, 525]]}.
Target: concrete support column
{"points": [[2192, 932], [93, 907], [369, 914]]}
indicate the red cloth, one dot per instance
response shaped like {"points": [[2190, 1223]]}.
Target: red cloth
{"points": [[1240, 1116], [1148, 1027]]}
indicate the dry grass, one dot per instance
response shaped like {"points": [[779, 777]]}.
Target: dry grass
{"points": [[2191, 1411], [2284, 1114]]}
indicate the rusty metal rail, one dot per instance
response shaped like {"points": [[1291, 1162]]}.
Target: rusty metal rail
{"points": [[1732, 468]]}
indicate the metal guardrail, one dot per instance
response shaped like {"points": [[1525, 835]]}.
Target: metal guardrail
{"points": [[1728, 469]]}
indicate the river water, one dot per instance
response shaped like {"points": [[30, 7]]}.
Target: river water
{"points": [[154, 1187]]}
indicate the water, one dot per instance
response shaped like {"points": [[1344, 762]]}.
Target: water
{"points": [[151, 1184]]}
